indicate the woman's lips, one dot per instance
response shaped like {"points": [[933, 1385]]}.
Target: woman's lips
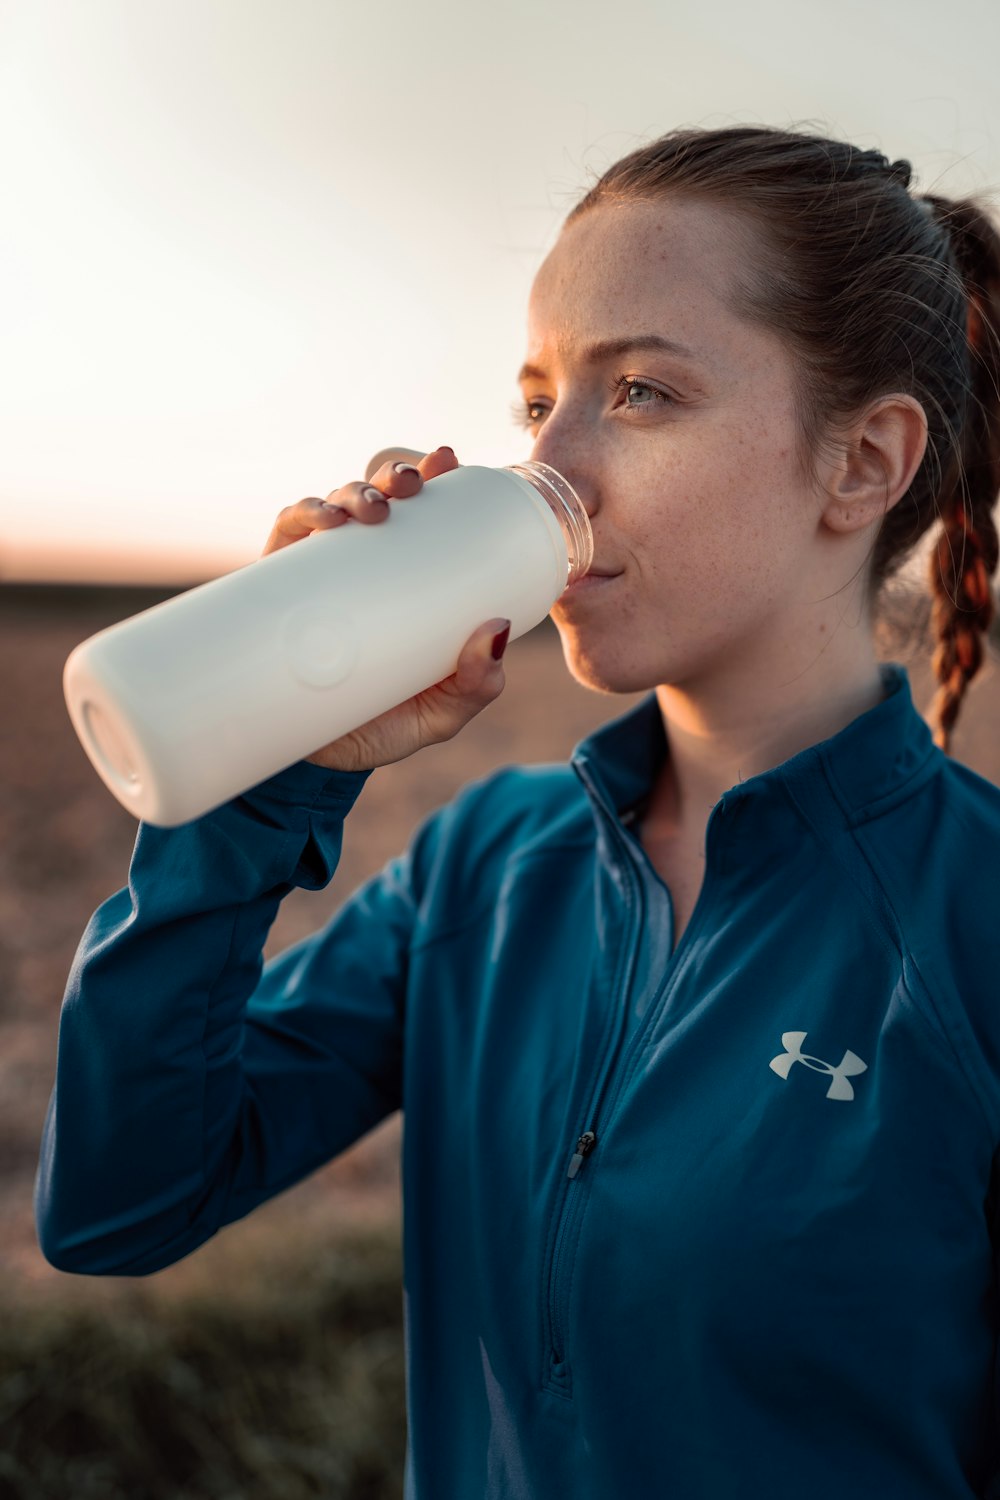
{"points": [[590, 581]]}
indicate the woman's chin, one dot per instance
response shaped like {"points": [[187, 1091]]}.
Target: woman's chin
{"points": [[601, 673]]}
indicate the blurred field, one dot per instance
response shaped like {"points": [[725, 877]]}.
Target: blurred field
{"points": [[195, 1359], [287, 1385]]}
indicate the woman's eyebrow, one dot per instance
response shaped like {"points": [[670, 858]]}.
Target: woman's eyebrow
{"points": [[615, 348]]}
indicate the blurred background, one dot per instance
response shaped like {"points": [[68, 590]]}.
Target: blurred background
{"points": [[244, 246]]}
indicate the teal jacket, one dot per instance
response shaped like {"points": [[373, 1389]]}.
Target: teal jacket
{"points": [[709, 1222]]}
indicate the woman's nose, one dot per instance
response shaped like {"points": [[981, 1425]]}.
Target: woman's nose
{"points": [[573, 468]]}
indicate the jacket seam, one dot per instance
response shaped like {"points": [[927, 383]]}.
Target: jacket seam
{"points": [[924, 1005], [953, 1053], [892, 938], [901, 792], [877, 919]]}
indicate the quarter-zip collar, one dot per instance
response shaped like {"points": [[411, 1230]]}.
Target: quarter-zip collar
{"points": [[883, 755]]}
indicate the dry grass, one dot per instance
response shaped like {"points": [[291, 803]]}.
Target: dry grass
{"points": [[287, 1387]]}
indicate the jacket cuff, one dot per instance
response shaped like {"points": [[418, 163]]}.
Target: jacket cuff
{"points": [[307, 785]]}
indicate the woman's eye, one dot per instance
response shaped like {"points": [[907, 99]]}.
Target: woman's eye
{"points": [[528, 413], [654, 396], [523, 413]]}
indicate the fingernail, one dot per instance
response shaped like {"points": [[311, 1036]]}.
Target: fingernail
{"points": [[373, 496], [445, 450], [500, 642], [406, 469], [338, 510]]}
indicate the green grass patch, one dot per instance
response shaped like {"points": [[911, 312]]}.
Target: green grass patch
{"points": [[286, 1385]]}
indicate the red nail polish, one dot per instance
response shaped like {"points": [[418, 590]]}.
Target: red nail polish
{"points": [[500, 642]]}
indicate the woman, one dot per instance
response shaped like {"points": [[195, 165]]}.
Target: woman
{"points": [[696, 1037]]}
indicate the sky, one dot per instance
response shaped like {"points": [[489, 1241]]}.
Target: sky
{"points": [[247, 243]]}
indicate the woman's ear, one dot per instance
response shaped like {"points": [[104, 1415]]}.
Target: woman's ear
{"points": [[878, 456]]}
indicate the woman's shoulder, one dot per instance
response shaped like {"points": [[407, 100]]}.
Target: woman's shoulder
{"points": [[517, 808], [937, 855], [968, 838], [938, 852], [966, 785], [492, 822]]}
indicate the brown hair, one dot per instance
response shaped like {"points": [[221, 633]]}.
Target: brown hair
{"points": [[875, 290]]}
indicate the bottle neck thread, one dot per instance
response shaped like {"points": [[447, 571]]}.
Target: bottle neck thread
{"points": [[568, 509]]}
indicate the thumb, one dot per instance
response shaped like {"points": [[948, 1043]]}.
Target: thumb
{"points": [[479, 662]]}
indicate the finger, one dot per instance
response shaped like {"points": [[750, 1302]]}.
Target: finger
{"points": [[397, 478], [390, 456], [477, 680], [363, 502], [438, 462], [298, 521], [429, 464], [479, 670]]}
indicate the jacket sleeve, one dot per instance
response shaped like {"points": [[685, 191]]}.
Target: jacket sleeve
{"points": [[192, 1081]]}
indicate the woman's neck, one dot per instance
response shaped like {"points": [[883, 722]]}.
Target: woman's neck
{"points": [[738, 729]]}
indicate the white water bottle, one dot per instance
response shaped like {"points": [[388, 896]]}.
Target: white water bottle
{"points": [[203, 696]]}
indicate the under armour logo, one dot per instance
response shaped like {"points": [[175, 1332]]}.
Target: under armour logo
{"points": [[846, 1068]]}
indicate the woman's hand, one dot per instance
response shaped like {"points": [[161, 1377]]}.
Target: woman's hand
{"points": [[442, 710]]}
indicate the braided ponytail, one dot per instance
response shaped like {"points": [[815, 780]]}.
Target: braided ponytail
{"points": [[966, 554]]}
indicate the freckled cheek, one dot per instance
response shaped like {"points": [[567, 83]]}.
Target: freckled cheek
{"points": [[719, 504], [693, 520], [702, 551]]}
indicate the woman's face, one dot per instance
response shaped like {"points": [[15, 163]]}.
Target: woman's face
{"points": [[686, 463]]}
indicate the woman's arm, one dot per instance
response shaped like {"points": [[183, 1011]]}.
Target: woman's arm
{"points": [[192, 1083]]}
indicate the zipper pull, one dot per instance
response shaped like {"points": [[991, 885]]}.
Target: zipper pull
{"points": [[584, 1146]]}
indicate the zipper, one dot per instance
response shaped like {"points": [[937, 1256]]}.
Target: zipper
{"points": [[584, 1146], [557, 1375]]}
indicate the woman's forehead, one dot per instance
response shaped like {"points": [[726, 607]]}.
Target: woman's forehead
{"points": [[664, 266]]}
